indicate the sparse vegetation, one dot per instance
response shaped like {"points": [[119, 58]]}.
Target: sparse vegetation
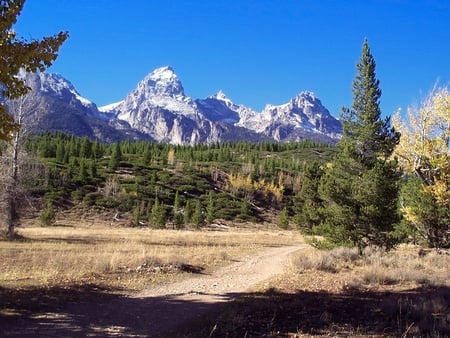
{"points": [[126, 258], [397, 293]]}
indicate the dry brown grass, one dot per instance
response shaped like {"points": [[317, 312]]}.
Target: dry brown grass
{"points": [[404, 267], [339, 293], [128, 258]]}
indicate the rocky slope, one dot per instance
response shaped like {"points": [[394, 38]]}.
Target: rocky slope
{"points": [[159, 110]]}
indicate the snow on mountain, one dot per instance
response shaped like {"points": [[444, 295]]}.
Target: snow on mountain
{"points": [[55, 105], [158, 109], [110, 108], [161, 90], [302, 115], [219, 107], [55, 84]]}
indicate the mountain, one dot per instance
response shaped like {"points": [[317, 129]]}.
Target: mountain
{"points": [[55, 105], [302, 117], [159, 110]]}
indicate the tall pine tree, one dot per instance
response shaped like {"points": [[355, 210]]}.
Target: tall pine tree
{"points": [[360, 185], [116, 156]]}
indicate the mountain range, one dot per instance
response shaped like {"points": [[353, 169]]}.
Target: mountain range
{"points": [[159, 110]]}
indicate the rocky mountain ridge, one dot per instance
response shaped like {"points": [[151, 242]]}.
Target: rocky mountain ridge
{"points": [[159, 110]]}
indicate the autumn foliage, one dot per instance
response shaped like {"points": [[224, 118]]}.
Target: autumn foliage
{"points": [[424, 152]]}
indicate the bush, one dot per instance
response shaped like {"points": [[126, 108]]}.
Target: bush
{"points": [[283, 219], [318, 260], [77, 195], [47, 216], [329, 261], [91, 198], [107, 202]]}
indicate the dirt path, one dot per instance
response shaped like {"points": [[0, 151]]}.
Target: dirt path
{"points": [[153, 312]]}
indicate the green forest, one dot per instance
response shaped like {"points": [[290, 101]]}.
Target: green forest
{"points": [[163, 184]]}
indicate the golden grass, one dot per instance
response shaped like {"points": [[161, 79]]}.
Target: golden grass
{"points": [[129, 258], [404, 267]]}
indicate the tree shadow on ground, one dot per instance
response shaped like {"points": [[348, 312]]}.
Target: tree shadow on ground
{"points": [[80, 311], [423, 312]]}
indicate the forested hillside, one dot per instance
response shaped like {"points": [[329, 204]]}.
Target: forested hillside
{"points": [[165, 185]]}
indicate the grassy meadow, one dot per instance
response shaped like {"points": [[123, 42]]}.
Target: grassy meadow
{"points": [[122, 257]]}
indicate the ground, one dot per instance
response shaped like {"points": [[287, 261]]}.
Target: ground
{"points": [[148, 313], [251, 282]]}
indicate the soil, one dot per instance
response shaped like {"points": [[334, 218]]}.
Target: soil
{"points": [[88, 311]]}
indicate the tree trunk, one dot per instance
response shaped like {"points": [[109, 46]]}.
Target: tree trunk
{"points": [[11, 191], [10, 211]]}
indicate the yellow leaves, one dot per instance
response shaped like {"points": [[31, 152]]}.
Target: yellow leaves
{"points": [[425, 133], [410, 215], [440, 190], [424, 143], [441, 102], [171, 156], [238, 182]]}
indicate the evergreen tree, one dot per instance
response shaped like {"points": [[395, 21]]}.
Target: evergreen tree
{"points": [[360, 186], [116, 156], [210, 216], [188, 212], [157, 217], [47, 216], [308, 203], [66, 157], [426, 219], [283, 219], [136, 215], [93, 169], [147, 156], [60, 151], [85, 148], [177, 214], [82, 172], [97, 151], [244, 213], [44, 149], [197, 216]]}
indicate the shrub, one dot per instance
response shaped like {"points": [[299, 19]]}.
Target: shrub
{"points": [[77, 195], [317, 260], [107, 202], [283, 219], [47, 216], [91, 198]]}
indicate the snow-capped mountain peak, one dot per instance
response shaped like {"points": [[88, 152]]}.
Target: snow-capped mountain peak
{"points": [[162, 82], [157, 109], [221, 96], [165, 73], [55, 84]]}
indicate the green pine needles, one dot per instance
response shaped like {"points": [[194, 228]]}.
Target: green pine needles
{"points": [[359, 188]]}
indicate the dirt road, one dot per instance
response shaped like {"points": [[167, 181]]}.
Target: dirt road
{"points": [[152, 312]]}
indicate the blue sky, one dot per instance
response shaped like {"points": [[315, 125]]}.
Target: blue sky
{"points": [[257, 52]]}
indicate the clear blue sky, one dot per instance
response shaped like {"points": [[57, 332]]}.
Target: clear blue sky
{"points": [[257, 52]]}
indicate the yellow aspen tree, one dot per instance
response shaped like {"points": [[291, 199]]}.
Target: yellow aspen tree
{"points": [[424, 144], [424, 151]]}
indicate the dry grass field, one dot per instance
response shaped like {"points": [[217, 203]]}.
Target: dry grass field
{"points": [[123, 258], [403, 293]]}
